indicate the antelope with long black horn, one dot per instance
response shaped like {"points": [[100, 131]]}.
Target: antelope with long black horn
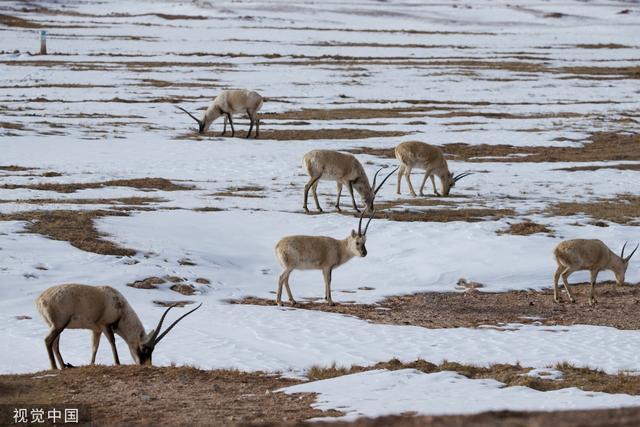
{"points": [[318, 253], [592, 255], [416, 154], [228, 103], [103, 310], [344, 169]]}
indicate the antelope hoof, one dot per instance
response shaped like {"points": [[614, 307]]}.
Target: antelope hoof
{"points": [[279, 303], [247, 137], [293, 303], [320, 210], [414, 194], [436, 194], [593, 302], [67, 366], [306, 210], [331, 303], [556, 300], [338, 209]]}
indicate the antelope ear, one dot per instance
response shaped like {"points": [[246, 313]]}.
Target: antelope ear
{"points": [[147, 336], [353, 233]]}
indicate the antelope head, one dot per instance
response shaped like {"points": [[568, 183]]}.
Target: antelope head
{"points": [[148, 343], [200, 122], [370, 195], [356, 241], [621, 269], [449, 181]]}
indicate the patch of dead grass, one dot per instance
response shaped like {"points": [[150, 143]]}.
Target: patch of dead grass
{"points": [[602, 146], [183, 288], [309, 134], [622, 209], [623, 167], [75, 227], [14, 168], [526, 228], [148, 283], [126, 201], [134, 395], [139, 183], [10, 125], [473, 309], [512, 375], [394, 210]]}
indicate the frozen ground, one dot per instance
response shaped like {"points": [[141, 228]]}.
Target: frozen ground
{"points": [[100, 108]]}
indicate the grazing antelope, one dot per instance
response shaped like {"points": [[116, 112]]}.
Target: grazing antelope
{"points": [[588, 254], [231, 102], [318, 253], [103, 310], [416, 154], [344, 169]]}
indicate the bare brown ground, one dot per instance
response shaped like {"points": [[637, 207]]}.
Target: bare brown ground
{"points": [[139, 183], [135, 395], [127, 201], [128, 395], [307, 134], [75, 227], [393, 210], [14, 168], [623, 167], [15, 22], [602, 146], [472, 308], [420, 110], [526, 228], [622, 209]]}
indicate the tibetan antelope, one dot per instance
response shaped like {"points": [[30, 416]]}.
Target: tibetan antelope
{"points": [[588, 254], [344, 169], [103, 310], [318, 253], [228, 103], [416, 154]]}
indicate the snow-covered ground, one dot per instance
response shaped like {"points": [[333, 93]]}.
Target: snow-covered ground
{"points": [[74, 117]]}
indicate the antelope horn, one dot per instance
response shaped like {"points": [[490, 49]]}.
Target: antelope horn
{"points": [[155, 340], [376, 177], [384, 180], [462, 175], [366, 227], [634, 251], [622, 253], [360, 223], [190, 115]]}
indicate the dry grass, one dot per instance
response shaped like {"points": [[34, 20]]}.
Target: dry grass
{"points": [[526, 228], [148, 283], [136, 395], [9, 125], [14, 168], [602, 146], [622, 209], [307, 134], [126, 201], [74, 227], [394, 210], [511, 375], [617, 309], [247, 191], [139, 183], [623, 167], [173, 303], [183, 288]]}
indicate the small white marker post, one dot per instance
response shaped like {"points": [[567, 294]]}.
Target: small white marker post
{"points": [[43, 42]]}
